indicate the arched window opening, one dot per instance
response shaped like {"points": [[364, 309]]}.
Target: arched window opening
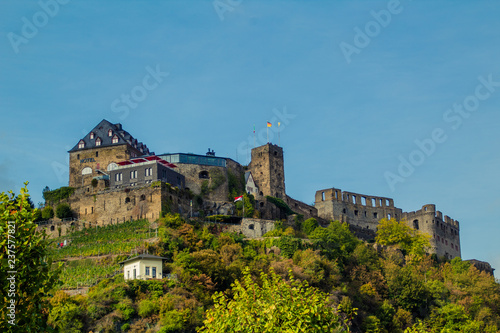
{"points": [[112, 166], [143, 197], [86, 171], [203, 175], [127, 200], [415, 224]]}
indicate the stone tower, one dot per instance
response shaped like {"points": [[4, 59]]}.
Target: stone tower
{"points": [[268, 170]]}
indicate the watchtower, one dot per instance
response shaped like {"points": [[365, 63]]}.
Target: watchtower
{"points": [[267, 167]]}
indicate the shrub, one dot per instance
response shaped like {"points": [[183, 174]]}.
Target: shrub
{"points": [[94, 182], [147, 308], [63, 210], [281, 205], [47, 213], [309, 225], [58, 194]]}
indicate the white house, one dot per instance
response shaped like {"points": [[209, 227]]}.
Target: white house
{"points": [[144, 266], [250, 186]]}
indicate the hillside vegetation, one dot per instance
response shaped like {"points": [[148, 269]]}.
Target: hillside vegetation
{"points": [[223, 282]]}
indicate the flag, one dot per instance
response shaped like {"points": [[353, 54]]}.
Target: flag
{"points": [[240, 198], [269, 124], [254, 129], [279, 124]]}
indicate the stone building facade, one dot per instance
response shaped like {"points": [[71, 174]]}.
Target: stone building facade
{"points": [[100, 151]]}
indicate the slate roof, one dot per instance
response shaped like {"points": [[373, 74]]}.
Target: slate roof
{"points": [[101, 131], [143, 256]]}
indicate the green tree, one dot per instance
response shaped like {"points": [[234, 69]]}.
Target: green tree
{"points": [[392, 232], [63, 211], [47, 213], [276, 306], [335, 242], [24, 251]]}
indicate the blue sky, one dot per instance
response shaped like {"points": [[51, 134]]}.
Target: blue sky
{"points": [[353, 94]]}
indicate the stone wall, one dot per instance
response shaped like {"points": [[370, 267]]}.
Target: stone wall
{"points": [[195, 175], [302, 208], [253, 228]]}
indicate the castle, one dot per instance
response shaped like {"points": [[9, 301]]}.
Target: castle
{"points": [[117, 178]]}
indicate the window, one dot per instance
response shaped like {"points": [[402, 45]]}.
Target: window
{"points": [[415, 224], [110, 132], [112, 166], [127, 200], [128, 274], [98, 142], [118, 177], [375, 215], [147, 270], [115, 139], [143, 197], [344, 211], [96, 154], [203, 175], [81, 144], [154, 272], [135, 274], [87, 171], [148, 172], [133, 174], [77, 156], [439, 238], [91, 135], [356, 212]]}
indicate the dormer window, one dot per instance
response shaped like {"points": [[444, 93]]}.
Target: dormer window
{"points": [[110, 132], [81, 144], [91, 135], [115, 139], [98, 142]]}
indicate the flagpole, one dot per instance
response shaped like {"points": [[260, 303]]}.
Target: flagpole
{"points": [[267, 127], [254, 135], [279, 139]]}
